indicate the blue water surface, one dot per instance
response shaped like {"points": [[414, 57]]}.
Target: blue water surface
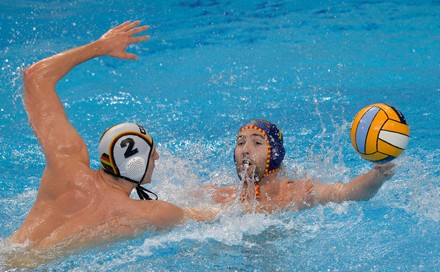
{"points": [[308, 66]]}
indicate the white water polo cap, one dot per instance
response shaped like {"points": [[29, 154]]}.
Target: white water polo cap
{"points": [[125, 151]]}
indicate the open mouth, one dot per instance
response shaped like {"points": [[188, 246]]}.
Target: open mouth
{"points": [[245, 163], [246, 169]]}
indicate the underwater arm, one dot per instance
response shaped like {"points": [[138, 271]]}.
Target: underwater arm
{"points": [[163, 214], [200, 215], [46, 113]]}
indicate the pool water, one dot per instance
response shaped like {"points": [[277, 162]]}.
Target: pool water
{"points": [[212, 65]]}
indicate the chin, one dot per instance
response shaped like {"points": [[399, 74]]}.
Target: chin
{"points": [[146, 180], [250, 175]]}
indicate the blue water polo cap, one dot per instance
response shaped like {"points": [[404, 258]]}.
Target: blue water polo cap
{"points": [[274, 138]]}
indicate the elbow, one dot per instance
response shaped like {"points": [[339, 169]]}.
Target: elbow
{"points": [[29, 78], [35, 75], [30, 73]]}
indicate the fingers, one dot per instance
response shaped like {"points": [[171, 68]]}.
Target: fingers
{"points": [[139, 39], [384, 167], [130, 29], [387, 169], [117, 39], [130, 56], [135, 30], [127, 25], [122, 26]]}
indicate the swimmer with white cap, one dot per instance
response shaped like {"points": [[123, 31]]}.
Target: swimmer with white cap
{"points": [[77, 206], [258, 157], [127, 151]]}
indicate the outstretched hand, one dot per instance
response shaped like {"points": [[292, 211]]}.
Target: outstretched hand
{"points": [[116, 40], [386, 169]]}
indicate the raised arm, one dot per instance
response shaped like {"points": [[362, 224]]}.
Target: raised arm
{"points": [[363, 187], [58, 138]]}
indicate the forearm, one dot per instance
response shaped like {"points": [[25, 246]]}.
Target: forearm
{"points": [[363, 187], [46, 113], [50, 70], [113, 43], [195, 214], [44, 108]]}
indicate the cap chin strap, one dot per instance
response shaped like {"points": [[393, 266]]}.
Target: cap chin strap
{"points": [[141, 191], [257, 188], [257, 193]]}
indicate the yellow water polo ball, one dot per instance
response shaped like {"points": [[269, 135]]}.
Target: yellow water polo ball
{"points": [[379, 133]]}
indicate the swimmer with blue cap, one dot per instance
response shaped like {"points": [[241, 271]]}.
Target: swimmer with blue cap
{"points": [[78, 206], [258, 155], [259, 152]]}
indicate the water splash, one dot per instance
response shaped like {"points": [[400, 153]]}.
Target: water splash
{"points": [[229, 229]]}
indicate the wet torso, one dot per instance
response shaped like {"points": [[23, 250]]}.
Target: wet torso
{"points": [[80, 209], [287, 195]]}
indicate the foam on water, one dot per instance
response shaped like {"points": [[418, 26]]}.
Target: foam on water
{"points": [[229, 230]]}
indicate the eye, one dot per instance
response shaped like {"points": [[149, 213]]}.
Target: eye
{"points": [[259, 143]]}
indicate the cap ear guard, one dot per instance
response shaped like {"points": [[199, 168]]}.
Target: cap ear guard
{"points": [[135, 168], [131, 154]]}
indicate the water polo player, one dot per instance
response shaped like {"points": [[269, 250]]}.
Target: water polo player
{"points": [[258, 157], [127, 151], [259, 152], [77, 206]]}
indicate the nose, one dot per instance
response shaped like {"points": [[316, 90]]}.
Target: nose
{"points": [[155, 155], [246, 149]]}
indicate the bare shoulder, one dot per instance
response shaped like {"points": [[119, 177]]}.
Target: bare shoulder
{"points": [[297, 194], [67, 177], [291, 184]]}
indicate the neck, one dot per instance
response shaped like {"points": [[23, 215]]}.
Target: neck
{"points": [[267, 187], [117, 183]]}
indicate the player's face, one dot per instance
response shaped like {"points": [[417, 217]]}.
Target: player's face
{"points": [[251, 152], [151, 165]]}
